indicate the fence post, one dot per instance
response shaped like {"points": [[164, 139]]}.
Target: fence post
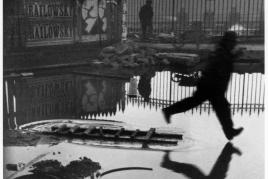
{"points": [[173, 16]]}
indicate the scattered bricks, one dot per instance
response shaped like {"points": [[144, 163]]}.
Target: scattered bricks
{"points": [[143, 60], [180, 58], [150, 51], [115, 65], [106, 55], [125, 63], [122, 49], [165, 62], [133, 57], [109, 49], [106, 61], [124, 58], [135, 65], [143, 52], [153, 62]]}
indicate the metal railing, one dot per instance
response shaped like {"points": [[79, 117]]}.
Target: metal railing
{"points": [[211, 17], [245, 93]]}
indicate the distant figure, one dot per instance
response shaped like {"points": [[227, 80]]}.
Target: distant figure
{"points": [[218, 171], [146, 18], [212, 86]]}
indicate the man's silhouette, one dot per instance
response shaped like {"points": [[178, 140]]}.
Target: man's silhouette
{"points": [[146, 17], [218, 171], [213, 85]]}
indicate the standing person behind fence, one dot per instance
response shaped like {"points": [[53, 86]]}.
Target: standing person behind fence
{"points": [[213, 85], [146, 18]]}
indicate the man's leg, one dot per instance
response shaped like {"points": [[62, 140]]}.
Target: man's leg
{"points": [[184, 105], [223, 112], [221, 166], [150, 28], [143, 29], [189, 170]]}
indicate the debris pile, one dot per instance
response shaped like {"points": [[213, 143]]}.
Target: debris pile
{"points": [[131, 55], [128, 55]]}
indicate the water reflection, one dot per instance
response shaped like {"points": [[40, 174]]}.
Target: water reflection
{"points": [[144, 86], [29, 99], [218, 171]]}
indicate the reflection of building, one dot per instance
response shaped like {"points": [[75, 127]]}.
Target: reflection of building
{"points": [[45, 98], [63, 96]]}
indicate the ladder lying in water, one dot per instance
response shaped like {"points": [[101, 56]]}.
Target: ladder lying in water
{"points": [[151, 136]]}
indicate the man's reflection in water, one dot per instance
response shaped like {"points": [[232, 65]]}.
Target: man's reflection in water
{"points": [[144, 85], [219, 169]]}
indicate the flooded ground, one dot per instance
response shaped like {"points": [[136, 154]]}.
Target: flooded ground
{"points": [[135, 98]]}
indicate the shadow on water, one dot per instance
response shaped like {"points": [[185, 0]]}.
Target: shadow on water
{"points": [[218, 171]]}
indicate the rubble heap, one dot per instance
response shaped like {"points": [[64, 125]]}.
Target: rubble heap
{"points": [[131, 54]]}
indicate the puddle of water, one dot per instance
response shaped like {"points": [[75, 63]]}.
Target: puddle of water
{"points": [[73, 96]]}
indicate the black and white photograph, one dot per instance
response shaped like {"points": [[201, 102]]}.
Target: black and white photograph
{"points": [[133, 89]]}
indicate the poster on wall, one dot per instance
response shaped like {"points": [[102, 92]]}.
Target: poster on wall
{"points": [[48, 21], [94, 20]]}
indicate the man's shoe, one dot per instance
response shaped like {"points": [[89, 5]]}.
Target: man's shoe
{"points": [[233, 133], [166, 115]]}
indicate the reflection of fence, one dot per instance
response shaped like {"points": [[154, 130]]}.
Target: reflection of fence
{"points": [[210, 16], [245, 93]]}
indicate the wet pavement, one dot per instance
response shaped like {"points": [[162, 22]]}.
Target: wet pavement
{"points": [[96, 94]]}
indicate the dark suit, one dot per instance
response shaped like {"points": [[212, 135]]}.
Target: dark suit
{"points": [[146, 18], [212, 86]]}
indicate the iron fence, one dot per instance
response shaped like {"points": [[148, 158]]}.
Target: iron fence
{"points": [[210, 17], [245, 93]]}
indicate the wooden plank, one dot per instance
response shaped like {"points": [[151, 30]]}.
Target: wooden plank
{"points": [[101, 132], [134, 134], [117, 134], [148, 137], [150, 133], [122, 135]]}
